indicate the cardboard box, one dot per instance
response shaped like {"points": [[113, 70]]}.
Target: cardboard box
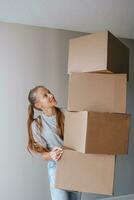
{"points": [[97, 92], [85, 172], [96, 132], [98, 52]]}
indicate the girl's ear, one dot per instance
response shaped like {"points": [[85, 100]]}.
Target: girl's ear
{"points": [[38, 105]]}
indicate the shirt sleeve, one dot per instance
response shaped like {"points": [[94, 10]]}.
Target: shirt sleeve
{"points": [[37, 135]]}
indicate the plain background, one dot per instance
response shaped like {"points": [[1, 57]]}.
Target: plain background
{"points": [[31, 56]]}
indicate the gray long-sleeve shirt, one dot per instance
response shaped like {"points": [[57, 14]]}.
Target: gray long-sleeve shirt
{"points": [[49, 137]]}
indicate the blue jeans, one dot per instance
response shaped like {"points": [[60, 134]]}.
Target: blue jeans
{"points": [[59, 194]]}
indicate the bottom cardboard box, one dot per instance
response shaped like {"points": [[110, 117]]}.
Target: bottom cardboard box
{"points": [[81, 172]]}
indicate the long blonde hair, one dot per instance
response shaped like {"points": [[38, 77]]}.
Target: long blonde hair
{"points": [[32, 144]]}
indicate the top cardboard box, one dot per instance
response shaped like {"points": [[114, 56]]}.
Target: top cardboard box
{"points": [[98, 52]]}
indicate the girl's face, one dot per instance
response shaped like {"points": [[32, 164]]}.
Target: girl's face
{"points": [[46, 99]]}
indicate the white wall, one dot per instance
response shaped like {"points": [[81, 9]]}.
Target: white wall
{"points": [[30, 56]]}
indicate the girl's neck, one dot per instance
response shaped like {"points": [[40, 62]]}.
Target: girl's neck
{"points": [[49, 111]]}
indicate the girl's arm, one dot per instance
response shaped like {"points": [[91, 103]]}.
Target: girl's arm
{"points": [[54, 154], [46, 156]]}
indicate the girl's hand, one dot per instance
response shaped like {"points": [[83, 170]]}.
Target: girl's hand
{"points": [[56, 153]]}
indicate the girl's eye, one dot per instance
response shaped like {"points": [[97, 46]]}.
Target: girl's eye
{"points": [[46, 94]]}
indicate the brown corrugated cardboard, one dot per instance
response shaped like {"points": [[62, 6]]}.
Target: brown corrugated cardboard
{"points": [[98, 51], [97, 132], [97, 92], [86, 172]]}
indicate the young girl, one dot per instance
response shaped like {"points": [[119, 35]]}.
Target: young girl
{"points": [[46, 136]]}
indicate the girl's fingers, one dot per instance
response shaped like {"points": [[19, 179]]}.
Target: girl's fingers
{"points": [[52, 155], [60, 148], [55, 156], [57, 149], [59, 156], [58, 152]]}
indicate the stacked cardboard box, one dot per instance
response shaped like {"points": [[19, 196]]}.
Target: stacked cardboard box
{"points": [[96, 123], [98, 52]]}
